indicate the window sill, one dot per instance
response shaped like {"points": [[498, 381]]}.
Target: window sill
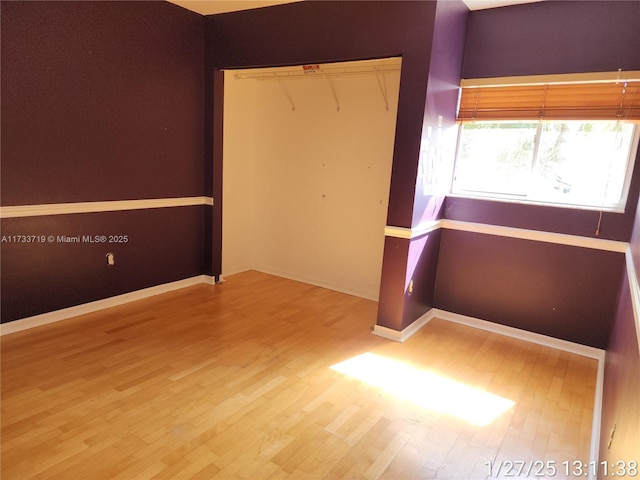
{"points": [[537, 203]]}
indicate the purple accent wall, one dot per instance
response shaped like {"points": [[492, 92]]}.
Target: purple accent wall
{"points": [[392, 283], [407, 261], [620, 403], [100, 101], [422, 264], [553, 37], [437, 149], [557, 290], [439, 127]]}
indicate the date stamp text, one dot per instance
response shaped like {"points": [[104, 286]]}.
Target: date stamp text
{"points": [[566, 469]]}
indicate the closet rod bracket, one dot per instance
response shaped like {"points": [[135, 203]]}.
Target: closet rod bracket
{"points": [[383, 88], [333, 90], [287, 94]]}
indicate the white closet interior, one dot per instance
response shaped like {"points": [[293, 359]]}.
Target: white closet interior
{"points": [[306, 172]]}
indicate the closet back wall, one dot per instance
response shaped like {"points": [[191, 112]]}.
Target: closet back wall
{"points": [[305, 191]]}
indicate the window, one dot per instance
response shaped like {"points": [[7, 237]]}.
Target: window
{"points": [[559, 142], [573, 163]]}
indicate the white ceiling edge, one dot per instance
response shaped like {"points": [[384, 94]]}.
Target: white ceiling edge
{"points": [[484, 4], [212, 7]]}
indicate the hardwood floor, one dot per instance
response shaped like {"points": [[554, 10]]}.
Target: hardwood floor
{"points": [[235, 381]]}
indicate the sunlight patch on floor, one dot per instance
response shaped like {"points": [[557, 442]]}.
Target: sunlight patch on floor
{"points": [[429, 390]]}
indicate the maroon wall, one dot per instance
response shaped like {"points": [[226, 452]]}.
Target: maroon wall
{"points": [[163, 245], [100, 101], [438, 140]]}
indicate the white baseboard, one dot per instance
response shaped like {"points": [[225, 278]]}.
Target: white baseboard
{"points": [[403, 335], [594, 448], [512, 332], [545, 340], [634, 287], [316, 282], [65, 313], [228, 271]]}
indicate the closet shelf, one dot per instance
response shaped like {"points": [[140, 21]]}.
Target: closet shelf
{"points": [[315, 71], [326, 72]]}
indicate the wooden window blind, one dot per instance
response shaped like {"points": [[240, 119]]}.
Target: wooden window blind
{"points": [[610, 100]]}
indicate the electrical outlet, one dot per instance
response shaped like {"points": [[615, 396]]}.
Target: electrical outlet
{"points": [[110, 259]]}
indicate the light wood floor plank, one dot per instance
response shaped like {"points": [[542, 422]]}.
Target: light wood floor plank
{"points": [[234, 381]]}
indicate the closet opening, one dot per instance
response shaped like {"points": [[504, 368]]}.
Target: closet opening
{"points": [[307, 156]]}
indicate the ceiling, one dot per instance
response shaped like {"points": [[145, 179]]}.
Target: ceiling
{"points": [[210, 7]]}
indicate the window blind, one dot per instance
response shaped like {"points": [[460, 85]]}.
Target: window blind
{"points": [[608, 100]]}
